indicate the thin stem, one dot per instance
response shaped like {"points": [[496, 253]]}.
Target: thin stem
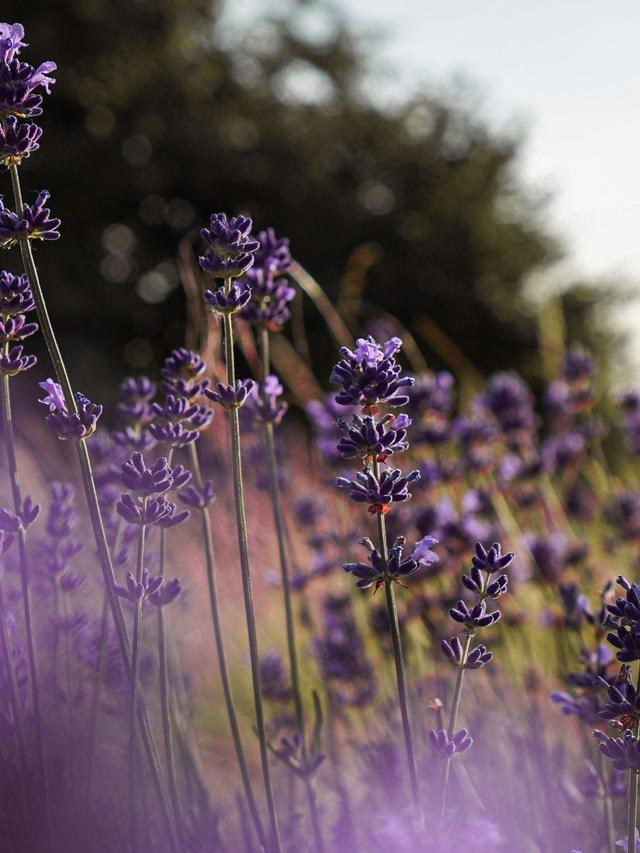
{"points": [[633, 791], [608, 805], [25, 583], [221, 654], [241, 521], [165, 697], [401, 678], [133, 681], [94, 509], [453, 718], [14, 696], [278, 520]]}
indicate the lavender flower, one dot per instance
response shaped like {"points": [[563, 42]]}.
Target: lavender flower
{"points": [[369, 375], [270, 295], [153, 589], [509, 401], [364, 437], [447, 746], [623, 751], [476, 658], [380, 493], [183, 374], [20, 81], [141, 511], [398, 566], [17, 141], [263, 405], [228, 301], [230, 246], [624, 618], [147, 481], [80, 424], [231, 397], [34, 223], [198, 497], [274, 684]]}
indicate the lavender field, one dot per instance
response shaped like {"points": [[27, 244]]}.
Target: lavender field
{"points": [[242, 612]]}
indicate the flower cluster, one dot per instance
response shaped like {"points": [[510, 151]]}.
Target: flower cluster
{"points": [[152, 589], [263, 403], [146, 504], [398, 566], [624, 618], [482, 583], [269, 294], [369, 375], [79, 424], [15, 301], [134, 410], [230, 246], [33, 223]]}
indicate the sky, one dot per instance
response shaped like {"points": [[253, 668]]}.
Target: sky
{"points": [[564, 70]]}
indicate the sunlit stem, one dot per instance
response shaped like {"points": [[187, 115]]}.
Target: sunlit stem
{"points": [[278, 520], [241, 522], [398, 656], [221, 654]]}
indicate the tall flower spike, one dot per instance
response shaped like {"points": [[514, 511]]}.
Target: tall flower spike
{"points": [[370, 375], [230, 246]]}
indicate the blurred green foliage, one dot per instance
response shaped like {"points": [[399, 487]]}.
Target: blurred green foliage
{"points": [[159, 118]]}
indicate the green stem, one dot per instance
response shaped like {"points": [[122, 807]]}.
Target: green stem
{"points": [[453, 718], [633, 791], [94, 509], [25, 583], [133, 682], [221, 654], [278, 520], [165, 705], [401, 677], [241, 521]]}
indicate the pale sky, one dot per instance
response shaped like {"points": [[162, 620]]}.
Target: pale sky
{"points": [[566, 70]]}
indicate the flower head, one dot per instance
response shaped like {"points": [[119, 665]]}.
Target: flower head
{"points": [[34, 223], [79, 424], [230, 247], [370, 375]]}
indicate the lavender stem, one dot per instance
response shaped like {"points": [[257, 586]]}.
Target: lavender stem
{"points": [[401, 678], [238, 489], [93, 504], [165, 697], [133, 681], [222, 662], [16, 493]]}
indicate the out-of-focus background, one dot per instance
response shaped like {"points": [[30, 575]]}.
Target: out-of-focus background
{"points": [[468, 168]]}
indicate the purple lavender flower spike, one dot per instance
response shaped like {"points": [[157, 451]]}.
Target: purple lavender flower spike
{"points": [[134, 512], [166, 594], [510, 402], [139, 592], [234, 300], [380, 494], [231, 397], [623, 751], [147, 481], [15, 362], [33, 224], [398, 566], [477, 617], [79, 425], [230, 246], [183, 374], [491, 560], [447, 746], [263, 405], [19, 80], [270, 295], [369, 375], [198, 497], [365, 437], [15, 294], [17, 141]]}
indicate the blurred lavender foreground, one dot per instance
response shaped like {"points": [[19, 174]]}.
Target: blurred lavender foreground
{"points": [[164, 688]]}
